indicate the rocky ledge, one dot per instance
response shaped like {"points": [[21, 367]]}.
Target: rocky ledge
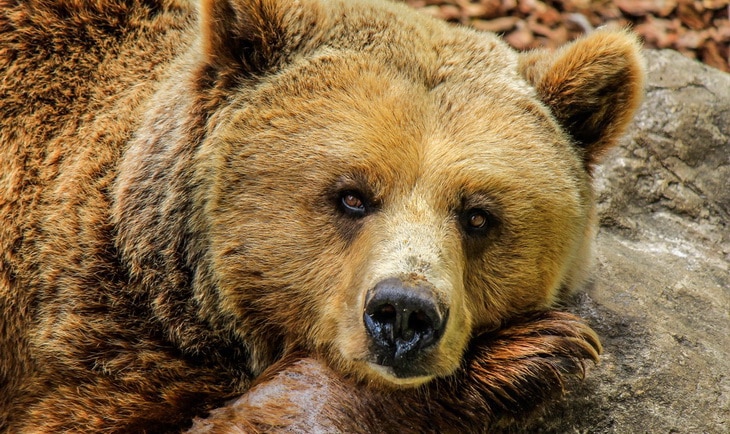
{"points": [[660, 296]]}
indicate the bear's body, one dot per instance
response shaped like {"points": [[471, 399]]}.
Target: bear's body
{"points": [[189, 194]]}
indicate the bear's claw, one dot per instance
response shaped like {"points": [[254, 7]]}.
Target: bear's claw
{"points": [[515, 369]]}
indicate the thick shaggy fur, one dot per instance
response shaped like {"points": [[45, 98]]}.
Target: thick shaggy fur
{"points": [[169, 176]]}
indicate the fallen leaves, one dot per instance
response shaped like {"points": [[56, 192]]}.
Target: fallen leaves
{"points": [[699, 29]]}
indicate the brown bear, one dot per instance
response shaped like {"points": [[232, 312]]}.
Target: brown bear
{"points": [[291, 193]]}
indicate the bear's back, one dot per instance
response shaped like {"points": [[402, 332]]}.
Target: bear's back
{"points": [[64, 64], [72, 77]]}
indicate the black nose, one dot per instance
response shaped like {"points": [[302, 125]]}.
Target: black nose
{"points": [[402, 320]]}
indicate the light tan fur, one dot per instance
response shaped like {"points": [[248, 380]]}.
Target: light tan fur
{"points": [[168, 184]]}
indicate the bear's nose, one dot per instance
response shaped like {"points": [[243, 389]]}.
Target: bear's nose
{"points": [[402, 321]]}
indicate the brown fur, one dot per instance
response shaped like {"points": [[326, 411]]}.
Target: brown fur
{"points": [[166, 193], [508, 372]]}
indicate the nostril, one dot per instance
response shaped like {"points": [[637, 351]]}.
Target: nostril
{"points": [[384, 313], [418, 325], [418, 321]]}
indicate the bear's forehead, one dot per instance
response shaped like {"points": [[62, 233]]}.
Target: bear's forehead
{"points": [[350, 106], [399, 135]]}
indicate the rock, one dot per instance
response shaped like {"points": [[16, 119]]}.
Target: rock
{"points": [[660, 298]]}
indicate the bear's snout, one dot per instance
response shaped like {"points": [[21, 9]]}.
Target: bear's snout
{"points": [[403, 320]]}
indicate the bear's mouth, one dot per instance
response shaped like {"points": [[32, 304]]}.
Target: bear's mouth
{"points": [[413, 369], [400, 363]]}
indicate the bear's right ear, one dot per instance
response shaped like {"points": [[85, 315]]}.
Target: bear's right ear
{"points": [[251, 36], [593, 86]]}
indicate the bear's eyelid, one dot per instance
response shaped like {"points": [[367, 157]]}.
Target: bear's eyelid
{"points": [[478, 200]]}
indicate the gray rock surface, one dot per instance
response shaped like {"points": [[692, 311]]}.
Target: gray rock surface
{"points": [[660, 296]]}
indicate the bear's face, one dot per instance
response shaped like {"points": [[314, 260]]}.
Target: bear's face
{"points": [[378, 187], [400, 209], [342, 182]]}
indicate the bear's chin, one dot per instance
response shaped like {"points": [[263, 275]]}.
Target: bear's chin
{"points": [[402, 377]]}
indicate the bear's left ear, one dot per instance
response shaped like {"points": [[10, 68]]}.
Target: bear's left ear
{"points": [[593, 86], [253, 36]]}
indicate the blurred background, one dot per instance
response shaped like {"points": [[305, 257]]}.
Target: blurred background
{"points": [[699, 29]]}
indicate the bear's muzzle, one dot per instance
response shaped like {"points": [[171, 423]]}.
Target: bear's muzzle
{"points": [[403, 320]]}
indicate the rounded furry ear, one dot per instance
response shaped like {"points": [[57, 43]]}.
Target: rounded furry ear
{"points": [[250, 36], [593, 86]]}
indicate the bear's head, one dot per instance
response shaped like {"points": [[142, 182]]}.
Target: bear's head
{"points": [[370, 184]]}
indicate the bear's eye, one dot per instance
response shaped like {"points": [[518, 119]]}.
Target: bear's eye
{"points": [[477, 220], [352, 204]]}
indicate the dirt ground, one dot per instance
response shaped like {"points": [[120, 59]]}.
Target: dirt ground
{"points": [[699, 29]]}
